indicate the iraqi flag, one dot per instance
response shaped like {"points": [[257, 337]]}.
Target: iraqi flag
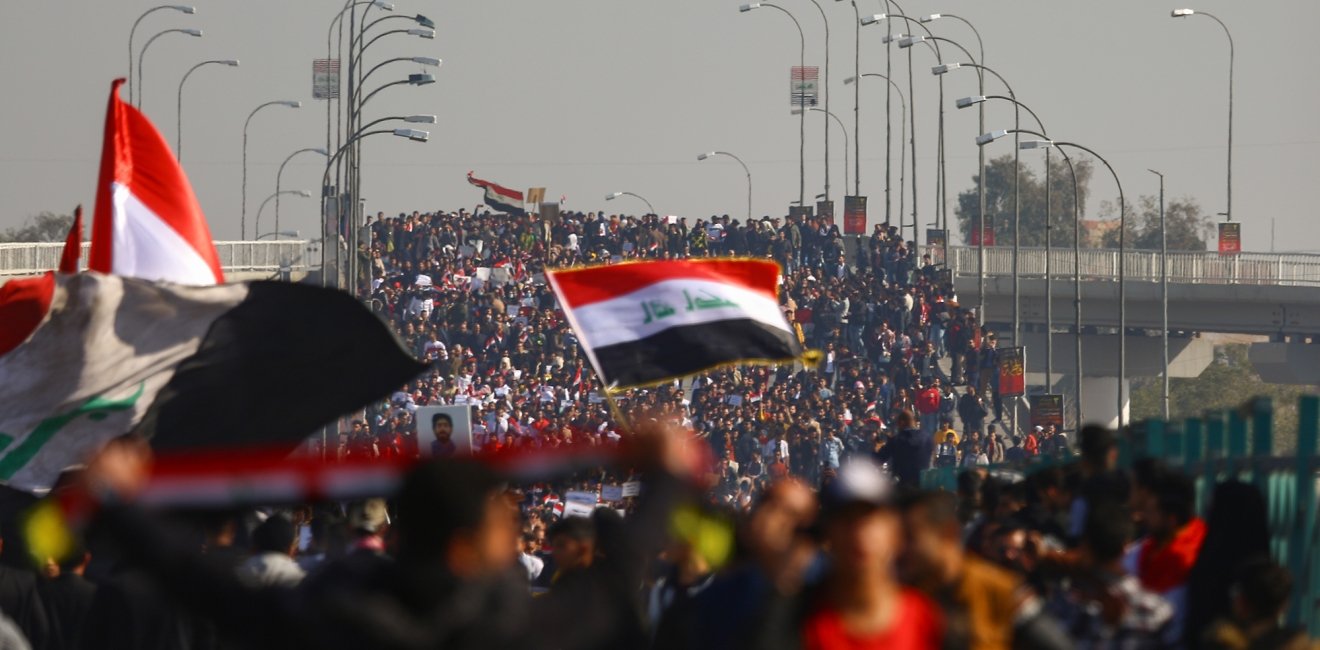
{"points": [[147, 222], [499, 197], [645, 323], [251, 365]]}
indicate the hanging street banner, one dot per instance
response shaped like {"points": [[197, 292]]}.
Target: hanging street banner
{"points": [[1012, 372], [325, 79], [535, 195], [935, 237], [1230, 238], [825, 210], [799, 212], [550, 213], [854, 215], [802, 85], [1047, 410], [989, 233]]}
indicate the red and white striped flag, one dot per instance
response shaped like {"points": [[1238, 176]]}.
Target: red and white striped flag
{"points": [[645, 323], [147, 223]]}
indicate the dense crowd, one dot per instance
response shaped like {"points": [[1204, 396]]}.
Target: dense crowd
{"points": [[779, 506]]}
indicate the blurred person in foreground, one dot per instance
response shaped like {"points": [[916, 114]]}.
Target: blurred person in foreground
{"points": [[453, 582], [1260, 595], [859, 603], [1099, 604], [985, 607]]}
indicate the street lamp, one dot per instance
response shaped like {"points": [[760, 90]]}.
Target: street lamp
{"points": [[1164, 298], [420, 79], [1183, 13], [280, 233], [857, 100], [912, 105], [243, 212], [802, 119], [279, 176], [411, 134], [132, 87], [745, 170], [303, 193], [420, 60], [826, 85], [1122, 254], [615, 195], [1017, 202], [902, 144], [143, 54], [178, 113], [842, 130]]}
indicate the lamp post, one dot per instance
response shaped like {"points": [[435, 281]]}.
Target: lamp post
{"points": [[826, 85], [1164, 299], [411, 134], [1183, 13], [303, 193], [178, 127], [614, 195], [1122, 254], [349, 5], [983, 139], [745, 170], [132, 87], [842, 129], [420, 60], [1049, 225], [243, 212], [912, 118], [857, 99], [902, 143], [197, 33], [279, 176], [802, 119]]}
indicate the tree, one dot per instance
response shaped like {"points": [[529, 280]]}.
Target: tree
{"points": [[999, 201], [1188, 227], [1226, 384], [45, 227]]}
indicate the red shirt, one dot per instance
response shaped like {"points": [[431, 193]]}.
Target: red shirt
{"points": [[928, 401], [917, 625]]}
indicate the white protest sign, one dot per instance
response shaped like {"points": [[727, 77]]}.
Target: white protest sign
{"points": [[632, 489], [579, 504], [611, 493]]}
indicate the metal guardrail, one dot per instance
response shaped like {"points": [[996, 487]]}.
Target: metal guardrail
{"points": [[1284, 269], [235, 256]]}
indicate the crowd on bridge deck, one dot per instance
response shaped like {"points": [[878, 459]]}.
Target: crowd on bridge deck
{"points": [[793, 518]]}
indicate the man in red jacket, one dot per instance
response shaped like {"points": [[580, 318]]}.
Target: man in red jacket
{"points": [[928, 407]]}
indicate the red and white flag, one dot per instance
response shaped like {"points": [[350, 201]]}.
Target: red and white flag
{"points": [[644, 323], [147, 222]]}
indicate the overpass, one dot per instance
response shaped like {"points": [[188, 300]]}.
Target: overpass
{"points": [[240, 260], [1262, 294]]}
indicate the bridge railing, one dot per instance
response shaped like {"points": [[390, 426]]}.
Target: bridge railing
{"points": [[1185, 267], [235, 256]]}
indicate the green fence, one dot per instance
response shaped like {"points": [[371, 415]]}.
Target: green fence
{"points": [[1239, 444]]}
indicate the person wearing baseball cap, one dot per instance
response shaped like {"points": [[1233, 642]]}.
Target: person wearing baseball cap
{"points": [[859, 603]]}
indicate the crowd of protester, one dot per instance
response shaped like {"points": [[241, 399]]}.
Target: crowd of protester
{"points": [[779, 507]]}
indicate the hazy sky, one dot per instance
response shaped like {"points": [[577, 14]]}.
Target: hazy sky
{"points": [[587, 97]]}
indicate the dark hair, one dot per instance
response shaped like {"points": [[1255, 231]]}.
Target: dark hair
{"points": [[441, 416], [275, 535], [439, 499], [580, 529], [938, 509], [1107, 531], [1175, 495], [1264, 587], [1095, 442]]}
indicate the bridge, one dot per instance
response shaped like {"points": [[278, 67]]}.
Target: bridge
{"points": [[240, 260], [1260, 294]]}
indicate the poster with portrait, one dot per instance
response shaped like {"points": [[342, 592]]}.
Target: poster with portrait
{"points": [[1047, 410], [444, 430], [854, 215], [1230, 238]]}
